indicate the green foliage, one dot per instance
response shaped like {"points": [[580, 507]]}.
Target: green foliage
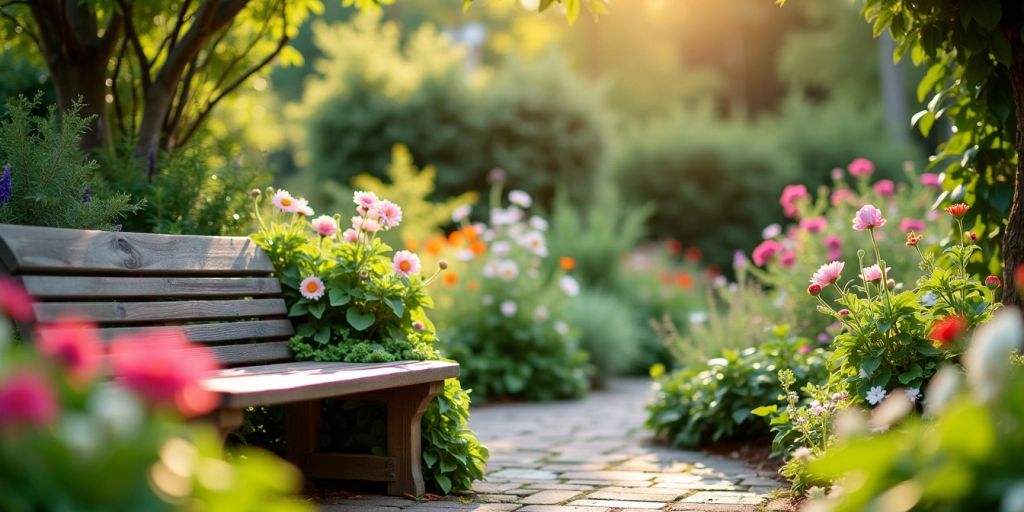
{"points": [[52, 181], [609, 330], [714, 401], [452, 455]]}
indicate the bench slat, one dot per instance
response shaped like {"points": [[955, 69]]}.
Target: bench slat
{"points": [[253, 353], [32, 249], [132, 312], [299, 381], [76, 287], [207, 333]]}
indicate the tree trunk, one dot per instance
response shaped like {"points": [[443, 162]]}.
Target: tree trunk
{"points": [[85, 81], [1013, 239]]}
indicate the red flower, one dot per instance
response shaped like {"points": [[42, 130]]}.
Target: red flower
{"points": [[947, 330], [693, 255], [993, 282], [674, 246], [958, 210], [166, 370], [27, 399], [14, 301], [74, 343], [814, 289]]}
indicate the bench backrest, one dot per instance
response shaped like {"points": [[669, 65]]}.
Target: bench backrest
{"points": [[218, 289]]}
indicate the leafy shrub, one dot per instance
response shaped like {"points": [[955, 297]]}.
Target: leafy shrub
{"points": [[609, 330], [502, 318], [350, 302], [714, 402], [45, 178]]}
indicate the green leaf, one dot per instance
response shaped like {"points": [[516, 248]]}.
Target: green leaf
{"points": [[305, 330], [338, 297], [870, 364], [444, 483], [359, 320], [430, 458], [323, 335], [396, 305], [985, 12], [298, 309], [765, 410], [317, 309], [908, 376]]}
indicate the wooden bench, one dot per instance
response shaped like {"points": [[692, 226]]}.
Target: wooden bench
{"points": [[221, 291]]}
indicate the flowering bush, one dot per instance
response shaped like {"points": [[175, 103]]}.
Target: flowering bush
{"points": [[502, 317], [71, 439], [351, 302]]}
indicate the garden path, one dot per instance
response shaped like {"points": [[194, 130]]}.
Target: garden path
{"points": [[591, 455]]}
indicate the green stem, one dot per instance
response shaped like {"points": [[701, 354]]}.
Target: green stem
{"points": [[884, 288]]}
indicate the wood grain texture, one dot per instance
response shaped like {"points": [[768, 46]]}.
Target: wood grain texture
{"points": [[77, 287], [405, 412], [297, 381], [302, 429], [339, 466], [38, 250], [253, 353], [138, 312]]}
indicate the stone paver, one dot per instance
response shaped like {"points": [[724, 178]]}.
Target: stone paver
{"points": [[591, 455]]}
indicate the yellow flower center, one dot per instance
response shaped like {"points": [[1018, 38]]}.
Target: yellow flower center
{"points": [[312, 287], [286, 202], [405, 266]]}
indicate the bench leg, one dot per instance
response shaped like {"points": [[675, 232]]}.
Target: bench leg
{"points": [[226, 421], [405, 410], [302, 430]]}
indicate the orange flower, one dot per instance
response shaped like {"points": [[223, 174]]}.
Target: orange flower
{"points": [[684, 280], [913, 239], [472, 286], [958, 210], [478, 247], [411, 245], [434, 245], [450, 278], [457, 238], [566, 263], [470, 233]]}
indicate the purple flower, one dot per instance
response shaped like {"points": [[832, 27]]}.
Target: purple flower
{"points": [[5, 186], [88, 195]]}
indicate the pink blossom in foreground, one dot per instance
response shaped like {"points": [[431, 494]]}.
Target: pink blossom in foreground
{"points": [[27, 399], [868, 217], [350, 235], [325, 225], [861, 167], [406, 263], [165, 369], [791, 195], [365, 224], [908, 225], [390, 214], [931, 180], [312, 288], [765, 251], [815, 225], [284, 201], [884, 188], [365, 200], [828, 273], [874, 273], [15, 301], [75, 344]]}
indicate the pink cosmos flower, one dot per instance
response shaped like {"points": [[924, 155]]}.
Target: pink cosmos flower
{"points": [[75, 344], [350, 235], [390, 214], [284, 201], [828, 273], [787, 258], [765, 251], [931, 180], [885, 188], [365, 200], [861, 167], [165, 369], [874, 273], [739, 260], [838, 173], [791, 195], [325, 225], [868, 217], [14, 301], [834, 244], [508, 308], [312, 288], [406, 263], [27, 399], [841, 195], [907, 225], [365, 224], [302, 207], [815, 225]]}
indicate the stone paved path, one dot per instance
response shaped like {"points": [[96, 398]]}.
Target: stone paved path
{"points": [[588, 456]]}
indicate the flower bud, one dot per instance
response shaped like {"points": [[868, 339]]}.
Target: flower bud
{"points": [[973, 236], [844, 312], [363, 275], [814, 289], [255, 193], [993, 282], [443, 264], [269, 191], [890, 283], [861, 253], [913, 239], [418, 326]]}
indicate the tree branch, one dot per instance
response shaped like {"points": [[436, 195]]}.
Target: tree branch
{"points": [[118, 110], [133, 38], [178, 24], [27, 31]]}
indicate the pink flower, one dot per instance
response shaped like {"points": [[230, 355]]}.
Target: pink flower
{"points": [[365, 224], [931, 180], [406, 263], [390, 214], [27, 399], [868, 217], [312, 288], [325, 226], [74, 343], [874, 273], [861, 167], [841, 195], [834, 244], [765, 251], [815, 225], [791, 195], [787, 259], [284, 201], [302, 207], [14, 301], [828, 273], [885, 188], [165, 369], [838, 173], [351, 236], [907, 225], [365, 200]]}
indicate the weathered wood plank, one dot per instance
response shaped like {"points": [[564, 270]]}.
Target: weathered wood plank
{"points": [[134, 312], [31, 249], [405, 412], [205, 333], [253, 353], [78, 287], [339, 466], [294, 382]]}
